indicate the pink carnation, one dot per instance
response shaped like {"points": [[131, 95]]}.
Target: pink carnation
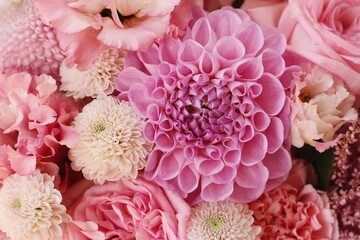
{"points": [[125, 24], [286, 213], [26, 43], [210, 109], [38, 119], [127, 209]]}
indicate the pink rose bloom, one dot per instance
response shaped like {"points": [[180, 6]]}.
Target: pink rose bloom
{"points": [[208, 101], [38, 118], [26, 43], [125, 24], [128, 209], [326, 32]]}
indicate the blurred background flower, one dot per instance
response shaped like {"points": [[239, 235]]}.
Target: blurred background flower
{"points": [[26, 43]]}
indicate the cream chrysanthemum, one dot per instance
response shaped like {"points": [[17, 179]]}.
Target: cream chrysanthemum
{"points": [[222, 220], [96, 80], [111, 144], [31, 208]]}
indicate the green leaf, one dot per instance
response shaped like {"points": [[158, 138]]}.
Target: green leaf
{"points": [[322, 163]]}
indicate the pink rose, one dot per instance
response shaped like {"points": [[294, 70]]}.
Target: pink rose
{"points": [[128, 209], [326, 32]]}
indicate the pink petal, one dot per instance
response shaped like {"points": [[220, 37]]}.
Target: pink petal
{"points": [[278, 163], [226, 175], [274, 134], [213, 192], [271, 87], [252, 176], [251, 36], [203, 33], [188, 179], [249, 69], [254, 150]]}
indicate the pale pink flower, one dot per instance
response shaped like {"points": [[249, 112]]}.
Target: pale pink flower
{"points": [[286, 213], [249, 4], [222, 220], [31, 208], [96, 80], [26, 43], [325, 32], [320, 106], [129, 209], [209, 108], [38, 119], [125, 24], [111, 144]]}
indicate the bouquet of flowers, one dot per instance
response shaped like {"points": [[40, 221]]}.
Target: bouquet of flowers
{"points": [[179, 119]]}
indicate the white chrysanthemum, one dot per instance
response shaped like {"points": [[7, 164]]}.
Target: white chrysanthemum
{"points": [[31, 208], [98, 79], [222, 220], [111, 144]]}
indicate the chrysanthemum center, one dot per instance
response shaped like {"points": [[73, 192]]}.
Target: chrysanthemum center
{"points": [[215, 223], [99, 128], [15, 4], [16, 204]]}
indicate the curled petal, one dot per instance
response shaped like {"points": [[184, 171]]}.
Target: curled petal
{"points": [[254, 151]]}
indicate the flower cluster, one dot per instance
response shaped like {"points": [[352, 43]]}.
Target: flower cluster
{"points": [[179, 119]]}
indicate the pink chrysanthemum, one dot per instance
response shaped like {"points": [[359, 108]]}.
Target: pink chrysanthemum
{"points": [[215, 108], [26, 43], [38, 119], [345, 197]]}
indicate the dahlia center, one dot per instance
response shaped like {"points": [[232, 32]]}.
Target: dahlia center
{"points": [[200, 114]]}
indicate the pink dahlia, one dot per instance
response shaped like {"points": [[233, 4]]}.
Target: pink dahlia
{"points": [[38, 119], [125, 24], [26, 43], [127, 209], [215, 108]]}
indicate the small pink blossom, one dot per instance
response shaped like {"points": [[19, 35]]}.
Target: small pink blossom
{"points": [[206, 99], [125, 24], [128, 209], [38, 119]]}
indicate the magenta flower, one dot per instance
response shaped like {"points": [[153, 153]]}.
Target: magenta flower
{"points": [[214, 107], [26, 43]]}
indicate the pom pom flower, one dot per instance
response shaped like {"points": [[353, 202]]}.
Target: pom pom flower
{"points": [[26, 43], [111, 144], [125, 24], [31, 208], [98, 79], [222, 220], [320, 106], [210, 109]]}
